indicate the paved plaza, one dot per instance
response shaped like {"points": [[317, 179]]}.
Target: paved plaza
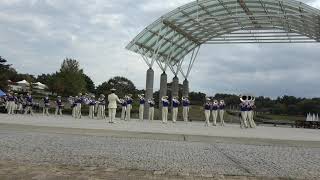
{"points": [[68, 142]]}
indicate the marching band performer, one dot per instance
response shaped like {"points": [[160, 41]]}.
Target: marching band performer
{"points": [[244, 112], [175, 109], [59, 106], [72, 105], [46, 103], [5, 98], [207, 111], [11, 103], [215, 108], [20, 104], [123, 108], [251, 106], [79, 102], [101, 107], [129, 107], [15, 110], [112, 106], [222, 107], [92, 104], [185, 104], [165, 104], [141, 107], [29, 104], [151, 109]]}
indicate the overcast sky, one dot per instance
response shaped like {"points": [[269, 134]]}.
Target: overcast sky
{"points": [[36, 35]]}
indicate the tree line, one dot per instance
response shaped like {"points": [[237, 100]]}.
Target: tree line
{"points": [[70, 80]]}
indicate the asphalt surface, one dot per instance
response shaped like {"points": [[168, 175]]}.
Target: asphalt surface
{"points": [[159, 156]]}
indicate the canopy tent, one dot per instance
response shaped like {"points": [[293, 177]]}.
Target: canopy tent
{"points": [[39, 85], [23, 82], [2, 93]]}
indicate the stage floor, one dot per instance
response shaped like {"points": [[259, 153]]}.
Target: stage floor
{"points": [[180, 131]]}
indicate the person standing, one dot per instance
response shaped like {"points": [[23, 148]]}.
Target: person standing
{"points": [[129, 107], [123, 108], [185, 104], [10, 105], [101, 107], [79, 102], [207, 111], [250, 108], [73, 105], [165, 105], [175, 109], [20, 104], [29, 104], [215, 108], [222, 107], [151, 109], [59, 106], [92, 104], [141, 107], [112, 106], [46, 103], [244, 112]]}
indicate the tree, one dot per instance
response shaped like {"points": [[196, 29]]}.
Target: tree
{"points": [[123, 85], [90, 87], [6, 72], [70, 79]]}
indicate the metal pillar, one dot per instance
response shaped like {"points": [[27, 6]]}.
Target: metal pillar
{"points": [[185, 88], [149, 90], [175, 87], [163, 87]]}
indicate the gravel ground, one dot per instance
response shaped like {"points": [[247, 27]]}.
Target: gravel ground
{"points": [[161, 156]]}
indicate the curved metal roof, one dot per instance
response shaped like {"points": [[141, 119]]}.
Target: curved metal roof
{"points": [[177, 33]]}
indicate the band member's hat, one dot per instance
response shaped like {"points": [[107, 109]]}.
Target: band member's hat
{"points": [[113, 89]]}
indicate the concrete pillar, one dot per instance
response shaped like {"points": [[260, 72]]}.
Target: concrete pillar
{"points": [[175, 87], [185, 88], [149, 90], [163, 87]]}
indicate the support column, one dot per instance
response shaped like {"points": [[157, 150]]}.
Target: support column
{"points": [[185, 88], [149, 90], [163, 88], [175, 86]]}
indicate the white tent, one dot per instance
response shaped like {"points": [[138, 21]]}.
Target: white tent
{"points": [[23, 82], [39, 85]]}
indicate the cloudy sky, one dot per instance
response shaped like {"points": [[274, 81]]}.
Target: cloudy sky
{"points": [[36, 35]]}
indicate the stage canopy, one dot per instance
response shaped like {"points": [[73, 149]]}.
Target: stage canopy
{"points": [[182, 31]]}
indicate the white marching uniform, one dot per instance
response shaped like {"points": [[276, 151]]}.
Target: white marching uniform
{"points": [[11, 104], [101, 108], [185, 113], [165, 105], [29, 101], [151, 110], [129, 107], [123, 109], [222, 107], [215, 108], [112, 106], [175, 110], [250, 115], [46, 103], [92, 104], [59, 107], [207, 112], [79, 102], [244, 114], [141, 108]]}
